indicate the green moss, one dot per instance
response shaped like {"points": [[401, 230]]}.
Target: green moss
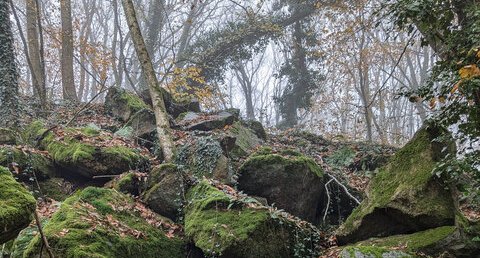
{"points": [[295, 163], [54, 188], [17, 206], [97, 222], [155, 175], [371, 251], [90, 131], [214, 227], [406, 177], [245, 141], [123, 153], [341, 157], [70, 150], [28, 163], [30, 133], [134, 102], [423, 240]]}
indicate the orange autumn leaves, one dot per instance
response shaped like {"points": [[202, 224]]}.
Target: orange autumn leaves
{"points": [[466, 73]]}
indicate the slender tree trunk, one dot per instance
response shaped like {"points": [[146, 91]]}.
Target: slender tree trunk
{"points": [[8, 71], [68, 83], [34, 51], [162, 123]]}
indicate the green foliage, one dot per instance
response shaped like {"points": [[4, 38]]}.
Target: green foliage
{"points": [[98, 222], [341, 157], [200, 156], [452, 29]]}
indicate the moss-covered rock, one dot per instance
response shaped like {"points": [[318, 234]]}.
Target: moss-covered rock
{"points": [[203, 157], [244, 140], [27, 164], [123, 104], [192, 121], [167, 191], [256, 127], [98, 222], [289, 180], [16, 206], [7, 136], [129, 183], [223, 225], [432, 241], [372, 252], [404, 196], [79, 157]]}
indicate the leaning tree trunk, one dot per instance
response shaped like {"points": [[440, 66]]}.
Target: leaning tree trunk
{"points": [[8, 71], [162, 123], [68, 84]]}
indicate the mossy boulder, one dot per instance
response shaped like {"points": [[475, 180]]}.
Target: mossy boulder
{"points": [[27, 164], [240, 140], [226, 225], [98, 222], [16, 206], [129, 183], [7, 136], [372, 252], [77, 155], [167, 190], [142, 123], [289, 180], [256, 127], [203, 157], [404, 196], [123, 104]]}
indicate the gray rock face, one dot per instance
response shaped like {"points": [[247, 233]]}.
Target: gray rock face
{"points": [[166, 194], [194, 121], [292, 183]]}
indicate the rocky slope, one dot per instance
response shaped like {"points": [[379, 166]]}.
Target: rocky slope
{"points": [[232, 190]]}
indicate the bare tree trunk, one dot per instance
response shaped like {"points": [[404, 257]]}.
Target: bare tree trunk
{"points": [[162, 123], [34, 51], [8, 71], [68, 84]]}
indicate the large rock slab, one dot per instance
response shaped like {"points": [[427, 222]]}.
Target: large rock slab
{"points": [[289, 180], [404, 196], [123, 104], [206, 122], [16, 206], [224, 224], [105, 223], [166, 191], [84, 152]]}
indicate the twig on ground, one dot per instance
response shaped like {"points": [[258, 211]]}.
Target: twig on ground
{"points": [[328, 199], [44, 239], [344, 189]]}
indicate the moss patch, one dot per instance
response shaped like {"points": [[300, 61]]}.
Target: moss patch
{"points": [[371, 252], [413, 242], [246, 139], [294, 162], [103, 223], [17, 206]]}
